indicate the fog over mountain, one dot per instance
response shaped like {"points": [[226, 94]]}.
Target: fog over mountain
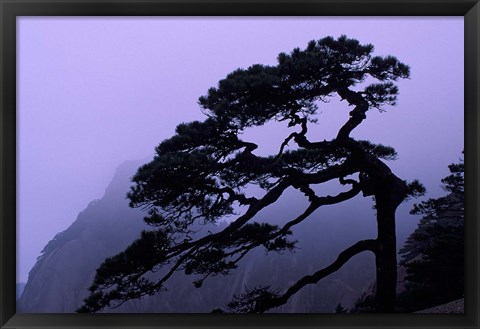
{"points": [[19, 289], [60, 279], [95, 91]]}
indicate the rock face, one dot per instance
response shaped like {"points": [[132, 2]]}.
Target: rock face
{"points": [[19, 289], [457, 306], [60, 279], [62, 274]]}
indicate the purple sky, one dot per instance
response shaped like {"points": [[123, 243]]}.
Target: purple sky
{"points": [[94, 92]]}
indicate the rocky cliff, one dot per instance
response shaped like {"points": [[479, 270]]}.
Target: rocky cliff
{"points": [[19, 289], [60, 279], [62, 274]]}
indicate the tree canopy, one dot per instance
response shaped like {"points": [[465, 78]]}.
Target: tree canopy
{"points": [[433, 254], [206, 171]]}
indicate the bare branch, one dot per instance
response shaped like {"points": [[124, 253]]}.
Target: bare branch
{"points": [[265, 304], [357, 115]]}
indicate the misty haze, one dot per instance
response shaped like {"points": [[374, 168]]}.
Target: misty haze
{"points": [[287, 165]]}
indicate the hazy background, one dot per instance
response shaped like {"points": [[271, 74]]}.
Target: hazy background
{"points": [[94, 92]]}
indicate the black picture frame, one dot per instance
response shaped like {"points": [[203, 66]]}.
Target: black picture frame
{"points": [[10, 9]]}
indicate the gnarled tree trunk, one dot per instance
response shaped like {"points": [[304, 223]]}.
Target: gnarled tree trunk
{"points": [[385, 258], [389, 194]]}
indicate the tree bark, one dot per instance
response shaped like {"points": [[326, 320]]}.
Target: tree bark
{"points": [[386, 257], [389, 194]]}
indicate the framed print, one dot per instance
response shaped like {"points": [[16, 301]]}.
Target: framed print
{"points": [[239, 164]]}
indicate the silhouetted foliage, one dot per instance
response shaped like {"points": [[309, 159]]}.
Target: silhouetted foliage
{"points": [[205, 172], [365, 304], [434, 253], [340, 309]]}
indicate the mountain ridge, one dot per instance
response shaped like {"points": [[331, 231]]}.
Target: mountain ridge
{"points": [[60, 279]]}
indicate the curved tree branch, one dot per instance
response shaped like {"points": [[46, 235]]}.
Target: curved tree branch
{"points": [[200, 171], [357, 115], [274, 300]]}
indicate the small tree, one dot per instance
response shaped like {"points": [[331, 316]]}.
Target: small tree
{"points": [[433, 254], [204, 172]]}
